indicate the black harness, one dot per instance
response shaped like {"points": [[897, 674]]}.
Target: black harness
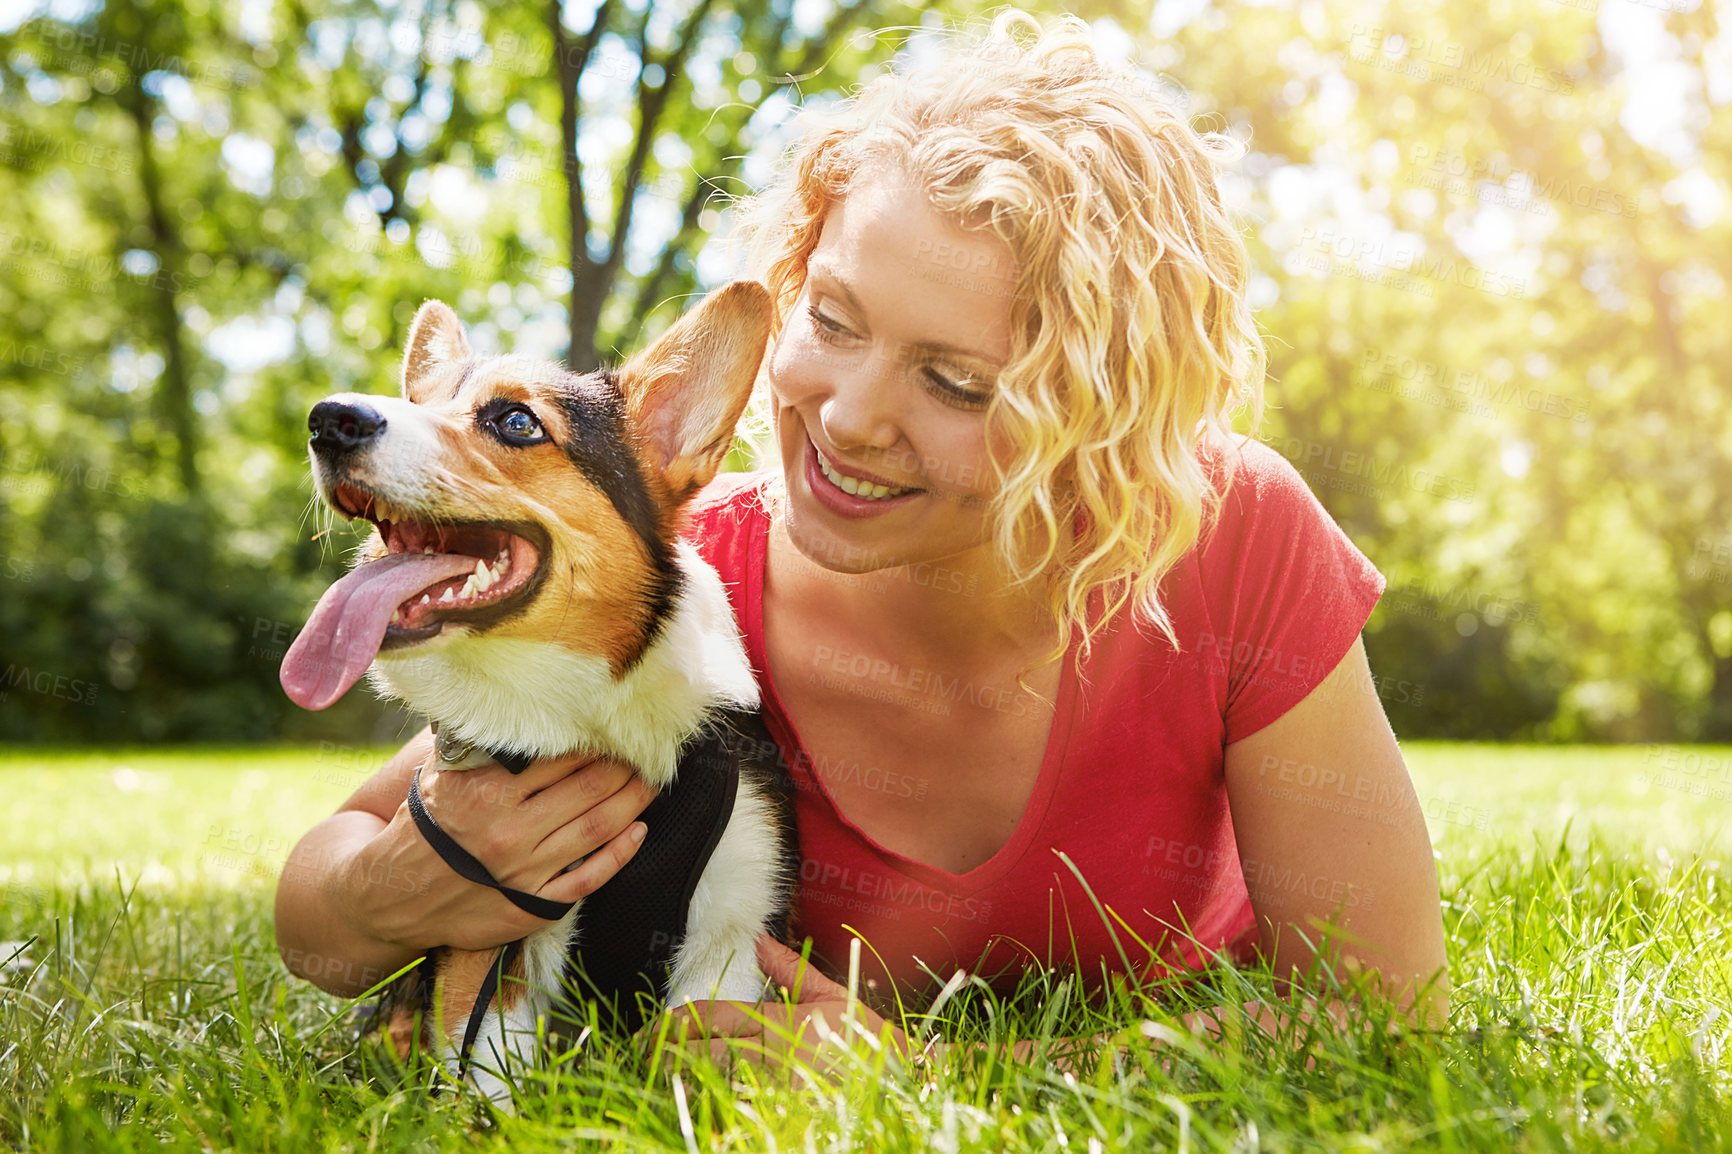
{"points": [[624, 943]]}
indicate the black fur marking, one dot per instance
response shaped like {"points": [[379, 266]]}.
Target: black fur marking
{"points": [[600, 448], [622, 955]]}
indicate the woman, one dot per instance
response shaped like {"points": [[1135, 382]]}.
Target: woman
{"points": [[1064, 669]]}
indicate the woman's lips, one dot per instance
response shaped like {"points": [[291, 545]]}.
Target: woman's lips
{"points": [[841, 503]]}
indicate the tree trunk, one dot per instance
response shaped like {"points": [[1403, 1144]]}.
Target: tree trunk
{"points": [[174, 391]]}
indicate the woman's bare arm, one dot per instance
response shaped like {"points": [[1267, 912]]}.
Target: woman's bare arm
{"points": [[1330, 831], [363, 894]]}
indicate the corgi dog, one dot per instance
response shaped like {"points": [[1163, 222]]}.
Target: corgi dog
{"points": [[527, 589]]}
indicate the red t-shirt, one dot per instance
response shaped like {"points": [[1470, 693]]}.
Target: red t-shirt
{"points": [[1131, 791]]}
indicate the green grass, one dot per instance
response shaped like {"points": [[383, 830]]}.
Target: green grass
{"points": [[1586, 901]]}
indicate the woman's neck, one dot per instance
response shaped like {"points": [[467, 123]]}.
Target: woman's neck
{"points": [[961, 610]]}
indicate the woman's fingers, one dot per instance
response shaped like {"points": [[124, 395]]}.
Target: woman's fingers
{"points": [[570, 798], [597, 869], [720, 1019], [588, 827], [786, 968]]}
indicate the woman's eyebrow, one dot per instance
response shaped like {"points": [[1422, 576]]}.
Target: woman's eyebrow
{"points": [[816, 268]]}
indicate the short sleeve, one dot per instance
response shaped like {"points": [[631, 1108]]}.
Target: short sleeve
{"points": [[718, 522], [1287, 592]]}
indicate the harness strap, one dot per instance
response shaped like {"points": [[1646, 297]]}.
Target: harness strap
{"points": [[468, 867], [483, 999], [621, 957], [642, 912]]}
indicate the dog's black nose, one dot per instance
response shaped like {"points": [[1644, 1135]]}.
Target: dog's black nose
{"points": [[340, 427]]}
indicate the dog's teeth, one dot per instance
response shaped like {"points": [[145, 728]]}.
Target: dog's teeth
{"points": [[425, 597], [448, 595], [469, 587], [426, 549]]}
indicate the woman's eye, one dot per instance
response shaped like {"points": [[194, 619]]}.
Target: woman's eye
{"points": [[827, 328], [956, 391]]}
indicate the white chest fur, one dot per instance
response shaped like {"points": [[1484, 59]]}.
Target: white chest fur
{"points": [[545, 698]]}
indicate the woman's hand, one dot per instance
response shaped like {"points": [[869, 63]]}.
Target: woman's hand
{"points": [[363, 893], [527, 829], [814, 1031]]}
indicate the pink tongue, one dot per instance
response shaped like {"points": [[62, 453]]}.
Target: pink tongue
{"points": [[343, 636]]}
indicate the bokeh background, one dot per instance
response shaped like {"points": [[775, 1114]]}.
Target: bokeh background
{"points": [[1492, 243]]}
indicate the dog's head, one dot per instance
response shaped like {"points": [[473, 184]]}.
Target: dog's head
{"points": [[512, 498]]}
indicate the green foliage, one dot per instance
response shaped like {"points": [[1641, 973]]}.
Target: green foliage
{"points": [[1491, 276]]}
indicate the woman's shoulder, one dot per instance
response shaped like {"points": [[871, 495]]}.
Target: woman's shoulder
{"points": [[720, 518], [730, 495], [1245, 471], [1263, 498]]}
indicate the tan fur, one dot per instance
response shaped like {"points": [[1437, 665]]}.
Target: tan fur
{"points": [[724, 339], [436, 335], [599, 565]]}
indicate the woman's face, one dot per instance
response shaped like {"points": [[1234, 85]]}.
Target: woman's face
{"points": [[882, 373]]}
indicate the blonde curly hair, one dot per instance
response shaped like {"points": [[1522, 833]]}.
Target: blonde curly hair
{"points": [[1132, 338]]}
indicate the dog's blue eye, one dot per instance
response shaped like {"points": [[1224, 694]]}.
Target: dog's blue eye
{"points": [[519, 425]]}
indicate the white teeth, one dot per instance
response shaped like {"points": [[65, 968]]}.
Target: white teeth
{"points": [[853, 486], [469, 588], [425, 597], [448, 595]]}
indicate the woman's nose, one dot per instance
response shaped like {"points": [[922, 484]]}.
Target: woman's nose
{"points": [[862, 408]]}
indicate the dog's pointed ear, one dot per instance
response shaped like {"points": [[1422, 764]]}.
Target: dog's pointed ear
{"points": [[685, 393], [436, 337]]}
